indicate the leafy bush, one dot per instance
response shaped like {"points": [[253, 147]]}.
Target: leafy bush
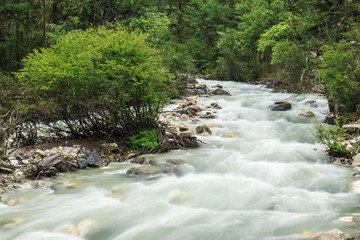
{"points": [[98, 82], [144, 140], [341, 74], [332, 136]]}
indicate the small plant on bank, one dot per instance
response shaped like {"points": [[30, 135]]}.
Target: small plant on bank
{"points": [[144, 140], [333, 136]]}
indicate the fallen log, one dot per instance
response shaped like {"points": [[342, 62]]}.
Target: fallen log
{"points": [[50, 161], [6, 170]]}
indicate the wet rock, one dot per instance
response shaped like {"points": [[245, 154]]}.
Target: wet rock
{"points": [[19, 175], [187, 133], [207, 115], [356, 161], [347, 219], [14, 162], [8, 224], [355, 187], [40, 152], [281, 106], [140, 160], [305, 113], [184, 117], [72, 230], [200, 91], [220, 91], [87, 226], [43, 184], [31, 171], [64, 166], [94, 160], [307, 234], [215, 106], [334, 234], [175, 161], [161, 168], [109, 147], [230, 135], [183, 128], [217, 86], [312, 103], [202, 129], [82, 163]]}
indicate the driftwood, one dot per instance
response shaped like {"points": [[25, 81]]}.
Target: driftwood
{"points": [[50, 161], [7, 170]]}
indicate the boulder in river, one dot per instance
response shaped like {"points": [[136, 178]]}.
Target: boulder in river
{"points": [[220, 91], [215, 105], [202, 129], [305, 113], [356, 162], [334, 234], [281, 106], [94, 160], [140, 160], [175, 161], [161, 168], [312, 103]]}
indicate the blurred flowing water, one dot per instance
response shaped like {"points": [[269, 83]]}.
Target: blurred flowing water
{"points": [[261, 175]]}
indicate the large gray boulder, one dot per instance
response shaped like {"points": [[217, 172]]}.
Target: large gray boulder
{"points": [[94, 160]]}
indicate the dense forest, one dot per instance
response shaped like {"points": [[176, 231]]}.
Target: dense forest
{"points": [[102, 65]]}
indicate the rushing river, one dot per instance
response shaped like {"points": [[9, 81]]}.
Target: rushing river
{"points": [[261, 175]]}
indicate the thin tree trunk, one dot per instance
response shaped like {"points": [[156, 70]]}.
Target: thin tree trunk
{"points": [[44, 23]]}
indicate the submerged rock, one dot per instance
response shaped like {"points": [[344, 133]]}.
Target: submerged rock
{"points": [[334, 234], [281, 106], [140, 160], [355, 187], [312, 103], [161, 168], [175, 161], [347, 219]]}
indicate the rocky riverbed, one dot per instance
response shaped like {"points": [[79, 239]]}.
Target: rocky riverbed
{"points": [[21, 166], [189, 121]]}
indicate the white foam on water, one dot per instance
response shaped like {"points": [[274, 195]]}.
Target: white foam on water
{"points": [[260, 175]]}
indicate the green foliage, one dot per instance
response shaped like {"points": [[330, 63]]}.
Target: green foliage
{"points": [[332, 136], [143, 141], [98, 82], [341, 73], [290, 57]]}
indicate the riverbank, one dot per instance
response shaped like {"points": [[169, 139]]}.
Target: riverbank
{"points": [[58, 156], [256, 165]]}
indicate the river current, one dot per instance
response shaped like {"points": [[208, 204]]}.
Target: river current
{"points": [[260, 175]]}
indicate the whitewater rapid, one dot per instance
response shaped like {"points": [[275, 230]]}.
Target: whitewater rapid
{"points": [[260, 175]]}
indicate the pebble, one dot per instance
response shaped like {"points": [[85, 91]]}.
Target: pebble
{"points": [[347, 219]]}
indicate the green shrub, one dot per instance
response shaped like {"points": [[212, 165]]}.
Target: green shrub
{"points": [[341, 74], [98, 82], [332, 136], [144, 140]]}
